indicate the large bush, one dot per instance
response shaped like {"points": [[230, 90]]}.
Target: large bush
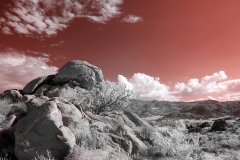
{"points": [[103, 97]]}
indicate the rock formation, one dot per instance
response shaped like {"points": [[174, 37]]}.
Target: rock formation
{"points": [[42, 128], [51, 123]]}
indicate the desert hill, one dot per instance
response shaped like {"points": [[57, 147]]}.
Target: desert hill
{"points": [[198, 109]]}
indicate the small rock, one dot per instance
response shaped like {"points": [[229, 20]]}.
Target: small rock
{"points": [[204, 124], [195, 129]]}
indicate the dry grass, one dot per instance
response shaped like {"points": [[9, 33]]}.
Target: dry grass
{"points": [[42, 157], [87, 138], [5, 106], [169, 142]]}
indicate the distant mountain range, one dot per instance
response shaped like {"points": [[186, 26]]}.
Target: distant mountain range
{"points": [[189, 110]]}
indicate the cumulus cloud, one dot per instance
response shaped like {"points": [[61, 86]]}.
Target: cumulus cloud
{"points": [[47, 17], [229, 97], [217, 83], [132, 19], [208, 84], [231, 85], [214, 87], [145, 87], [17, 69]]}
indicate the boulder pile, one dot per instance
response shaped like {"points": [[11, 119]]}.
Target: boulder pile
{"points": [[51, 124]]}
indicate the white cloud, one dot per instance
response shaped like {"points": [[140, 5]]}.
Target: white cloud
{"points": [[208, 84], [17, 69], [57, 44], [132, 19], [145, 87], [231, 85], [123, 81], [46, 17], [214, 87], [39, 53], [6, 30], [229, 97]]}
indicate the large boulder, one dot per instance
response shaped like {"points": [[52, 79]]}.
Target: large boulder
{"points": [[70, 114], [82, 72], [42, 129]]}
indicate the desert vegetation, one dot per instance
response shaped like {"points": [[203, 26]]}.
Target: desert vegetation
{"points": [[105, 96]]}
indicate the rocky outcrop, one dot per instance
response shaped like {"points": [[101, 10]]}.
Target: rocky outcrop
{"points": [[42, 128], [82, 72]]}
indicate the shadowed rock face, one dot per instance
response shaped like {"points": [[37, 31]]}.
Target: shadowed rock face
{"points": [[219, 125], [5, 140], [82, 72], [34, 84]]}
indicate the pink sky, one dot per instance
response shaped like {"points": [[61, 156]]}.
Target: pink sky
{"points": [[162, 49]]}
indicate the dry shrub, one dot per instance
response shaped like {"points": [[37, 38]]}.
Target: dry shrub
{"points": [[7, 107], [105, 96], [42, 157]]}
